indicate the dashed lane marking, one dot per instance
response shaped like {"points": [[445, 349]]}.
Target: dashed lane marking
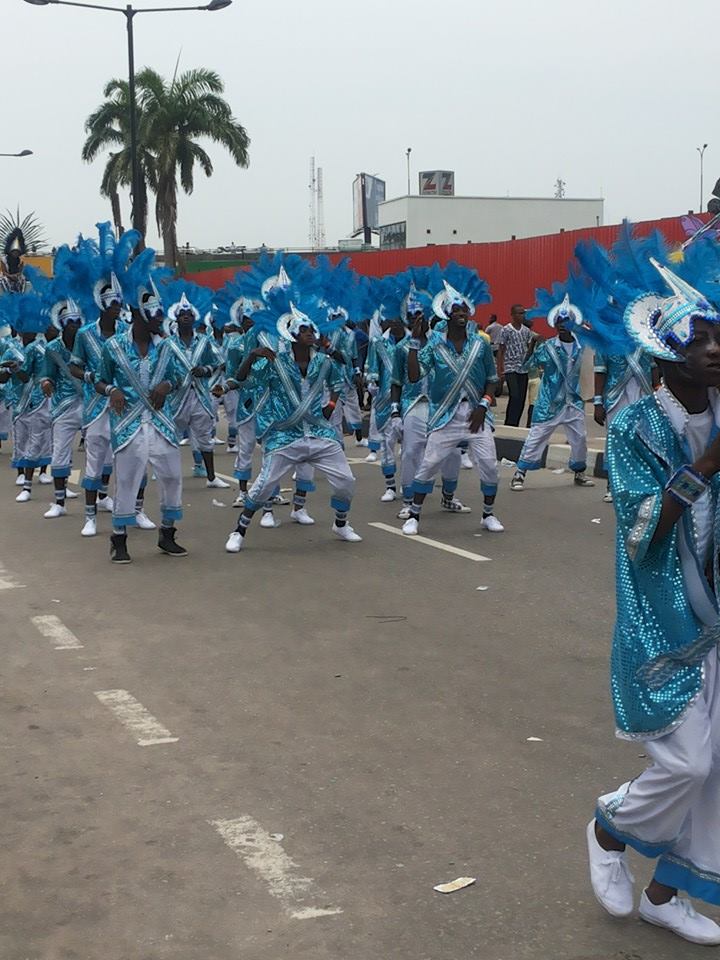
{"points": [[133, 715], [54, 629], [264, 855], [8, 581], [458, 551]]}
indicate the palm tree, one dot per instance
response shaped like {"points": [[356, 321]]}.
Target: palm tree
{"points": [[172, 117], [109, 126]]}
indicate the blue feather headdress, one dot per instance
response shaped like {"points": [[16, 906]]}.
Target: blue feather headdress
{"points": [[460, 285], [24, 312], [288, 309], [178, 295]]}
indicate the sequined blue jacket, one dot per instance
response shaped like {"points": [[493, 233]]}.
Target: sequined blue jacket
{"points": [[666, 614], [379, 370], [454, 376], [620, 370], [27, 397], [87, 354], [123, 367], [293, 410], [411, 393], [560, 384], [238, 345], [201, 352], [67, 389]]}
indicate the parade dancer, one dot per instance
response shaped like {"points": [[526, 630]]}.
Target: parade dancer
{"points": [[293, 424], [66, 398], [226, 336], [191, 405], [463, 376], [12, 276], [21, 367], [138, 371], [559, 402], [410, 401], [379, 376], [86, 357], [664, 463]]}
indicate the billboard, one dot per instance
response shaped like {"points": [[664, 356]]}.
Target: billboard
{"points": [[368, 194], [437, 183]]}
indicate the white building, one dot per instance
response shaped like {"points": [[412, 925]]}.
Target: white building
{"points": [[419, 221]]}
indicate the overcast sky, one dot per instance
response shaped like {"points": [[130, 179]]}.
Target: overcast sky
{"points": [[612, 96]]}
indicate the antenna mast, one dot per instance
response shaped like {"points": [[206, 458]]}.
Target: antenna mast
{"points": [[312, 218], [320, 216]]}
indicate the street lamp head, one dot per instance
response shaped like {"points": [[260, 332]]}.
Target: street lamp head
{"points": [[218, 5], [40, 3], [25, 153]]}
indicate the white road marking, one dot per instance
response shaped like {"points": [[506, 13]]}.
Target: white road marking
{"points": [[477, 557], [54, 629], [8, 581], [132, 714], [264, 855]]}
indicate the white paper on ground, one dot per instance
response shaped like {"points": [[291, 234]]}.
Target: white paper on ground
{"points": [[218, 503], [481, 588], [454, 885], [535, 740], [595, 520]]}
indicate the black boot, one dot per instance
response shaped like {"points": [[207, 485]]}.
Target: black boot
{"points": [[118, 548], [166, 542]]}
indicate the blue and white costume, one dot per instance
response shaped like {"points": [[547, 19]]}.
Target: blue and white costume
{"points": [[559, 404], [141, 435], [87, 354], [628, 379], [66, 404]]}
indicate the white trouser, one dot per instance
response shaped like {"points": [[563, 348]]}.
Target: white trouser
{"points": [[572, 421], [442, 442], [193, 417], [32, 438], [246, 440], [327, 456], [5, 421], [98, 452], [230, 403], [672, 810], [147, 447], [374, 439], [64, 430], [414, 441], [348, 407]]}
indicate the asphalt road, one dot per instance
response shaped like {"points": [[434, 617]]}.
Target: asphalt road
{"points": [[341, 728]]}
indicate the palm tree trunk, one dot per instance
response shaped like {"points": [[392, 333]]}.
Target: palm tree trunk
{"points": [[166, 210], [116, 211]]}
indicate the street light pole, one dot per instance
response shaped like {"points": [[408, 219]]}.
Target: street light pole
{"points": [[407, 154], [701, 151], [129, 13]]}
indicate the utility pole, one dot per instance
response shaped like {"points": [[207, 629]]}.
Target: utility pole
{"points": [[312, 218], [320, 210]]}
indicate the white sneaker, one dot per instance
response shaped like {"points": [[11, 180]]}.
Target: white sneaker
{"points": [[371, 457], [404, 513], [20, 480], [361, 443], [410, 527], [279, 500], [517, 482], [185, 441], [608, 498], [218, 484], [302, 517], [268, 520], [218, 442], [90, 528], [70, 494], [389, 496], [465, 461], [346, 533], [45, 479], [680, 916], [239, 500], [492, 524], [55, 511], [23, 496], [105, 505], [610, 877], [234, 543], [143, 521], [232, 448]]}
